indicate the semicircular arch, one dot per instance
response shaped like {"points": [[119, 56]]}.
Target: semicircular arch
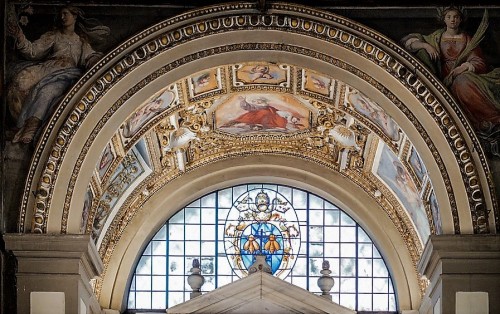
{"points": [[96, 107]]}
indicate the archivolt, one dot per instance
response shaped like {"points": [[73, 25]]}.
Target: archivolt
{"points": [[237, 33], [335, 32]]}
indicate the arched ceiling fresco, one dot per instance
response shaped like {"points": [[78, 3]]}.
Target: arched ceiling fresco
{"points": [[218, 112]]}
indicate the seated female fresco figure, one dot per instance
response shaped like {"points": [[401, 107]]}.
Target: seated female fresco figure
{"points": [[456, 58], [51, 65]]}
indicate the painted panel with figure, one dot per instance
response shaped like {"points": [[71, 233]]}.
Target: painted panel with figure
{"points": [[264, 112], [46, 67], [105, 161], [373, 112], [87, 205], [456, 57], [317, 83], [125, 177], [147, 112], [436, 214], [393, 173], [417, 165], [203, 82], [260, 73]]}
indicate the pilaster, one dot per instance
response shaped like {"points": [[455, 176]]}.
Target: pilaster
{"points": [[55, 266], [461, 268]]}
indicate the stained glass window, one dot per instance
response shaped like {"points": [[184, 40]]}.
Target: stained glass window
{"points": [[295, 230]]}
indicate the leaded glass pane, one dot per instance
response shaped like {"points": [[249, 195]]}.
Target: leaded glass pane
{"points": [[177, 218], [315, 202], [147, 251], [208, 233], [193, 248], [347, 267], [313, 284], [207, 248], [222, 213], [392, 302], [346, 220], [348, 250], [381, 285], [365, 285], [315, 266], [208, 201], [144, 266], [143, 283], [176, 265], [379, 269], [192, 215], [380, 302], [286, 191], [158, 300], [208, 216], [196, 203], [316, 249], [176, 232], [159, 265], [316, 233], [332, 217], [332, 234], [238, 190], [300, 281], [348, 234], [175, 298], [225, 198], [176, 247], [334, 266], [302, 215], [223, 266], [365, 267], [207, 265], [332, 250], [176, 282], [335, 297], [347, 285], [209, 283], [300, 267], [336, 286], [131, 300], [363, 237], [316, 217], [348, 300], [364, 250], [161, 234], [159, 283], [365, 302], [193, 232], [143, 300], [220, 228], [159, 248], [299, 199], [224, 280]]}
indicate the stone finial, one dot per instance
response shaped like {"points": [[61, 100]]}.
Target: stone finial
{"points": [[260, 264], [196, 279], [196, 263], [326, 282], [326, 265]]}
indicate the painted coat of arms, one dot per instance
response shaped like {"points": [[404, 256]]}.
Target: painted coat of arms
{"points": [[262, 222]]}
